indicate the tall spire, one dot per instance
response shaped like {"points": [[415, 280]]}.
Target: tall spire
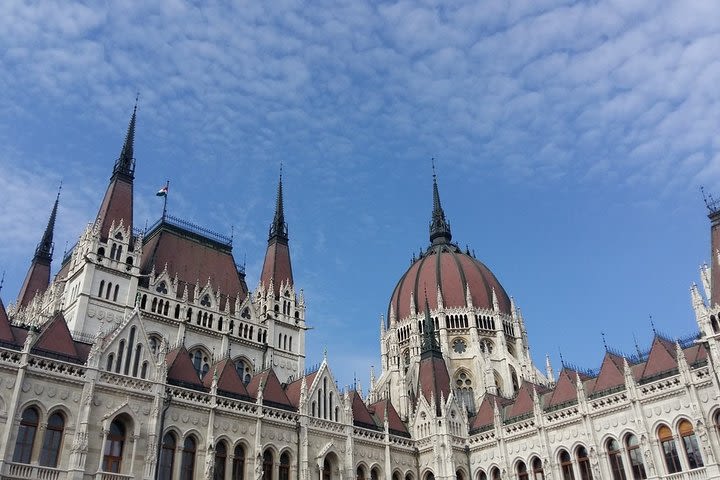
{"points": [[439, 226], [117, 205], [38, 275], [277, 267], [278, 228], [125, 164]]}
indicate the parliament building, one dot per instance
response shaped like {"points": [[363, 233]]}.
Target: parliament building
{"points": [[146, 356]]}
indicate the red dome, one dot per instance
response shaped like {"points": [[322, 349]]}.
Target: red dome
{"points": [[445, 265]]}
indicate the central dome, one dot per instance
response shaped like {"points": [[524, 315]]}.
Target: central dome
{"points": [[461, 279], [445, 267]]}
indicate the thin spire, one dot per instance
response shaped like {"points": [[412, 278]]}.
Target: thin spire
{"points": [[278, 228], [125, 164], [439, 226], [604, 341], [44, 250], [430, 344]]}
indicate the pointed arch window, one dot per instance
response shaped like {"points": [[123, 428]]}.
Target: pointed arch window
{"points": [[635, 456], [360, 473], [537, 469], [167, 456], [690, 444], [522, 471], [284, 470], [669, 449], [615, 457], [482, 475], [187, 463], [52, 440], [114, 446], [566, 466], [220, 459], [268, 462], [464, 389], [26, 435], [584, 464], [238, 469]]}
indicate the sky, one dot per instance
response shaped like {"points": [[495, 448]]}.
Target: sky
{"points": [[570, 140]]}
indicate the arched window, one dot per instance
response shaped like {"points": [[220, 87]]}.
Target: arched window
{"points": [[167, 456], [114, 445], [374, 474], [102, 287], [615, 458], [26, 435], [635, 456], [482, 475], [267, 465], [238, 469], [522, 472], [200, 362], [495, 474], [110, 360], [566, 466], [143, 371], [360, 473], [107, 292], [464, 389], [690, 444], [584, 463], [52, 440], [187, 463], [143, 302], [220, 459], [714, 323], [115, 293], [669, 450], [284, 471], [537, 469], [136, 363]]}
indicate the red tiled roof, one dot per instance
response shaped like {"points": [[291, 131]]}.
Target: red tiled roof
{"points": [[272, 389], [445, 265], [394, 421], [228, 378], [695, 353], [117, 205], [361, 415], [180, 367], [565, 389], [661, 358], [36, 282], [192, 260], [55, 338], [6, 333], [611, 373], [433, 379], [277, 266], [523, 401], [293, 389], [486, 412]]}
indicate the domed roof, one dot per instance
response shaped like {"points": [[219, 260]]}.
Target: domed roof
{"points": [[445, 267]]}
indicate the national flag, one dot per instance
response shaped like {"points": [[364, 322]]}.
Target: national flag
{"points": [[162, 192]]}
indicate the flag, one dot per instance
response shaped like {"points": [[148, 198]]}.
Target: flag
{"points": [[162, 192]]}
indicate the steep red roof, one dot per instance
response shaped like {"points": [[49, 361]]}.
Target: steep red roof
{"points": [[395, 424], [228, 379], [293, 389], [523, 403], [361, 415], [193, 258], [433, 379], [55, 338], [180, 367], [661, 358], [277, 266], [485, 414], [695, 353], [565, 389], [611, 373], [36, 282], [273, 393], [117, 205], [6, 334]]}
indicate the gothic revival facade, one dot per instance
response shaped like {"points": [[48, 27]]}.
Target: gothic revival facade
{"points": [[147, 356]]}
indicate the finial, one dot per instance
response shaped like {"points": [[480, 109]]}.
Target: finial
{"points": [[637, 347], [432, 162], [2, 281], [652, 324], [603, 340], [439, 226], [562, 359], [710, 202], [324, 353], [232, 233], [278, 227]]}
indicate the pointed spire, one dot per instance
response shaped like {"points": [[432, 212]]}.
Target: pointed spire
{"points": [[125, 164], [549, 370], [439, 226], [38, 276], [278, 228], [430, 344]]}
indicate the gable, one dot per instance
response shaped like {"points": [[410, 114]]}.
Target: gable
{"points": [[361, 415], [229, 381], [485, 415], [565, 389], [55, 338], [611, 374], [523, 402], [395, 424], [180, 368], [661, 358], [127, 351]]}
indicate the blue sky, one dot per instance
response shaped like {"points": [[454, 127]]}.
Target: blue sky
{"points": [[570, 138]]}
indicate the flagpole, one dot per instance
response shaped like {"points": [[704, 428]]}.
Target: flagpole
{"points": [[167, 187]]}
